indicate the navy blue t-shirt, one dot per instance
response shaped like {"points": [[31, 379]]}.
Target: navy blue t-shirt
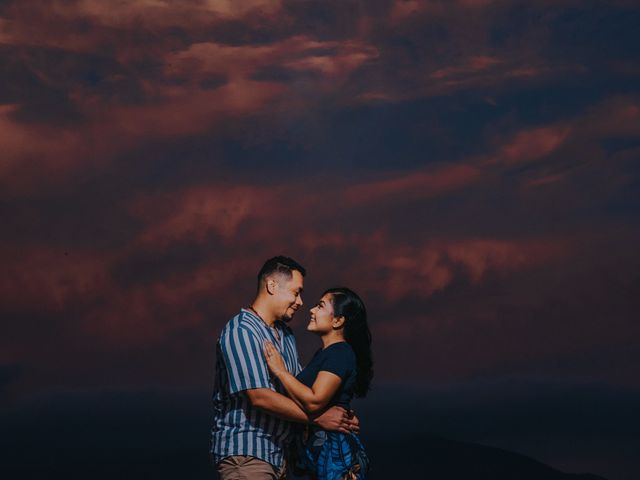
{"points": [[338, 359]]}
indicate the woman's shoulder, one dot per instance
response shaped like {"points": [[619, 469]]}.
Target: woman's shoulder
{"points": [[340, 347], [340, 350]]}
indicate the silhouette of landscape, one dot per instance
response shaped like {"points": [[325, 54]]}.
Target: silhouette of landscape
{"points": [[433, 457], [412, 458], [152, 434]]}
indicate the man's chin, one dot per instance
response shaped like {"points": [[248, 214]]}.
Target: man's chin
{"points": [[288, 315]]}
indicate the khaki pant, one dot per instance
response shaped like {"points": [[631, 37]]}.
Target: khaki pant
{"points": [[242, 467]]}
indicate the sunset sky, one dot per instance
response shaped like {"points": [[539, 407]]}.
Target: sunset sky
{"points": [[470, 167]]}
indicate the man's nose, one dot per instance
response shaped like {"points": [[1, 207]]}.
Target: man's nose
{"points": [[299, 301]]}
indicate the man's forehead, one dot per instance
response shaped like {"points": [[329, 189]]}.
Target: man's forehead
{"points": [[296, 281]]}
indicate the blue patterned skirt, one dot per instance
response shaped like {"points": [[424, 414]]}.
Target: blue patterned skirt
{"points": [[331, 456]]}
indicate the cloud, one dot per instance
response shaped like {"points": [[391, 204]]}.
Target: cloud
{"points": [[545, 180], [524, 146], [69, 31], [469, 166], [194, 90], [181, 78], [407, 9], [416, 184], [50, 278], [472, 65], [24, 145], [533, 144], [399, 271], [194, 214]]}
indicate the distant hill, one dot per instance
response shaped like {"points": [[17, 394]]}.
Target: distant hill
{"points": [[109, 435], [399, 458], [442, 459]]}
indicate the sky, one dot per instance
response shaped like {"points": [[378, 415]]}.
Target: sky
{"points": [[470, 167]]}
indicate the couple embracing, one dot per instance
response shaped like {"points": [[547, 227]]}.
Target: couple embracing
{"points": [[270, 414]]}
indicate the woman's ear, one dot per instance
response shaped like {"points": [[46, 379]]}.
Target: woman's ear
{"points": [[338, 322]]}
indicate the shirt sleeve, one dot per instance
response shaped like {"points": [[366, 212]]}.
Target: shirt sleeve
{"points": [[244, 361], [339, 360]]}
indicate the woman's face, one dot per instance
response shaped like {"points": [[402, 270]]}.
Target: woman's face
{"points": [[322, 316]]}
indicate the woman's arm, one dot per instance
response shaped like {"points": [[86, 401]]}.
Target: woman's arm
{"points": [[312, 399], [335, 418]]}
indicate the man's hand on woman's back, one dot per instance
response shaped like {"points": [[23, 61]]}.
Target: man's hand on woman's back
{"points": [[338, 419]]}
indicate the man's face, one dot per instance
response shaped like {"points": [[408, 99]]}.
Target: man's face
{"points": [[287, 297]]}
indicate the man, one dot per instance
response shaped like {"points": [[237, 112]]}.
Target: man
{"points": [[252, 418]]}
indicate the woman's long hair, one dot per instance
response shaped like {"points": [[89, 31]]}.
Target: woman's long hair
{"points": [[347, 304]]}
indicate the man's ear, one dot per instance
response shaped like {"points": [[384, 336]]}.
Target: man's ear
{"points": [[271, 286], [338, 322]]}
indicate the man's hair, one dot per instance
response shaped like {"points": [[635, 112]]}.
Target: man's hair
{"points": [[281, 265]]}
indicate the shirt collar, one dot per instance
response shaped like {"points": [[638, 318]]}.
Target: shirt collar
{"points": [[278, 324]]}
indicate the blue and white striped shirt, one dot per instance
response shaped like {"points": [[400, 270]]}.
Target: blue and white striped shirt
{"points": [[239, 428]]}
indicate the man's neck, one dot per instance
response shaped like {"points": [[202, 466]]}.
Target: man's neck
{"points": [[263, 312]]}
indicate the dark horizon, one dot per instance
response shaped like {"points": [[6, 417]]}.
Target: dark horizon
{"points": [[495, 426], [469, 167]]}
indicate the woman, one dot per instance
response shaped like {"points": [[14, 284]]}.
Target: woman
{"points": [[341, 369]]}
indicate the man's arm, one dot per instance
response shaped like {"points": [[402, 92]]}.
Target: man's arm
{"points": [[276, 404], [334, 419]]}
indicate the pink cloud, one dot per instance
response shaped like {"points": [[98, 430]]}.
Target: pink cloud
{"points": [[618, 116], [173, 109], [350, 55], [472, 65], [22, 145], [407, 9], [107, 313], [395, 271], [50, 278], [531, 144], [196, 213], [297, 53], [480, 256], [545, 180], [31, 24], [524, 146], [156, 13], [151, 312], [425, 270], [421, 184]]}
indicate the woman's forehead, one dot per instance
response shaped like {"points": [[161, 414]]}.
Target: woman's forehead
{"points": [[326, 298]]}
